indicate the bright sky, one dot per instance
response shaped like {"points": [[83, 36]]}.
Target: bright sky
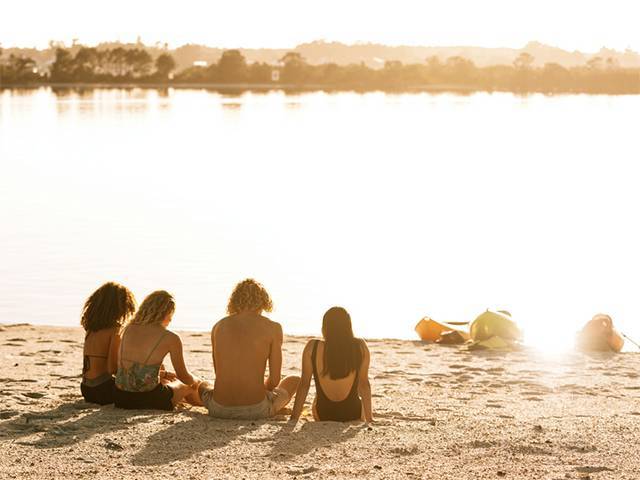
{"points": [[585, 25]]}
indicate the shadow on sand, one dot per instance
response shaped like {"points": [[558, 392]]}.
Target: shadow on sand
{"points": [[200, 433], [71, 423]]}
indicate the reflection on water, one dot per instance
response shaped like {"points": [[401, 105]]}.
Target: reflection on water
{"points": [[395, 206]]}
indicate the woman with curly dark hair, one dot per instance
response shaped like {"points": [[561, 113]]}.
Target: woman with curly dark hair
{"points": [[103, 315]]}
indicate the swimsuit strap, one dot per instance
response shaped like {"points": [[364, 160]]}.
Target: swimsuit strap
{"points": [[322, 397], [155, 346], [120, 357], [313, 357]]}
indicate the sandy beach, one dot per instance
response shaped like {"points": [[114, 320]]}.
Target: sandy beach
{"points": [[441, 413]]}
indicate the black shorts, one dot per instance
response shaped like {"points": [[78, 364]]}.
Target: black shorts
{"points": [[157, 399], [102, 394]]}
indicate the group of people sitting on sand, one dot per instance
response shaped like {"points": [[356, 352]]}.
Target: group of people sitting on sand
{"points": [[125, 347]]}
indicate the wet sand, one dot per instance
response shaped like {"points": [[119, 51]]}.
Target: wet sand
{"points": [[441, 413]]}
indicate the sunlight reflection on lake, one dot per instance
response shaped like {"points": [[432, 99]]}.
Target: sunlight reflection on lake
{"points": [[395, 206]]}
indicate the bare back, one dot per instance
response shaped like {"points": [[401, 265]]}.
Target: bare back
{"points": [[336, 390], [100, 352], [242, 345]]}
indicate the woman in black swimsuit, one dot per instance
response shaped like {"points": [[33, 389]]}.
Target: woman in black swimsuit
{"points": [[103, 315], [339, 365]]}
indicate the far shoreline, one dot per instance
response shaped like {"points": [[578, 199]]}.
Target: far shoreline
{"points": [[241, 88], [5, 325], [628, 349]]}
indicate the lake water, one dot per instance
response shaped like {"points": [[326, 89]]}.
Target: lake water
{"points": [[394, 206]]}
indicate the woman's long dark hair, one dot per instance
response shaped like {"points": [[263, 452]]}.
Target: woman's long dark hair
{"points": [[342, 352]]}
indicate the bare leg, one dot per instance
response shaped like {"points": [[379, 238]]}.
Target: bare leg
{"points": [[290, 384], [194, 397], [314, 409], [180, 391]]}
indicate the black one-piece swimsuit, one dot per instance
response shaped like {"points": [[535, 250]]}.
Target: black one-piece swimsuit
{"points": [[345, 410]]}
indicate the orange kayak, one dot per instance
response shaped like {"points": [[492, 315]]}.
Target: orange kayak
{"points": [[430, 331], [598, 335]]}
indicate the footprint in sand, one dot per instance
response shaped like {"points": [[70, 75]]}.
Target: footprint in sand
{"points": [[482, 444], [581, 448], [21, 380], [34, 394], [4, 414], [431, 384], [406, 450], [533, 399], [593, 469]]}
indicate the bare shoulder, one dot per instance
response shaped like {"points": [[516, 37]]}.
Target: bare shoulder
{"points": [[219, 323], [309, 346], [173, 338], [363, 345], [274, 327]]}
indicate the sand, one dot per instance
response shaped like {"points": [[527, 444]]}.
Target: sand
{"points": [[441, 413]]}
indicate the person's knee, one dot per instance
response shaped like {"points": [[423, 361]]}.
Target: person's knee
{"points": [[290, 384]]}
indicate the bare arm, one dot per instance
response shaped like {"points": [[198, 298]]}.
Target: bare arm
{"points": [[213, 346], [305, 381], [177, 359], [275, 359], [114, 349], [364, 387]]}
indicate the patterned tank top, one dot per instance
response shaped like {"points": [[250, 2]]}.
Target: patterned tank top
{"points": [[138, 377]]}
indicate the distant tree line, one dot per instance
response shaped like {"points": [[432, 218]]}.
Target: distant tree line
{"points": [[90, 65], [135, 65]]}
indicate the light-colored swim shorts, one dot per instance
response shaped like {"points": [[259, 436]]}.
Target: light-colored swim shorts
{"points": [[273, 402]]}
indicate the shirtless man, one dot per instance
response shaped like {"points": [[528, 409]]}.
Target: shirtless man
{"points": [[241, 346]]}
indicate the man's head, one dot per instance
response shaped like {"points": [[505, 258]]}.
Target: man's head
{"points": [[249, 296]]}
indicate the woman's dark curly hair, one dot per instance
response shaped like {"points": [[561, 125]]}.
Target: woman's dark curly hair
{"points": [[109, 306]]}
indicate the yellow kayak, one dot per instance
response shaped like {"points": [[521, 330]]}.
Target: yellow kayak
{"points": [[495, 331]]}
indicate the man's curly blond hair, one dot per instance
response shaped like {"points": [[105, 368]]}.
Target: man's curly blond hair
{"points": [[249, 295], [154, 308]]}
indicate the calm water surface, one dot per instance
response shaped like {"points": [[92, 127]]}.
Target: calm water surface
{"points": [[395, 206]]}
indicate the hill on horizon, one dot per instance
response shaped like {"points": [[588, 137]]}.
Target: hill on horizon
{"points": [[371, 54]]}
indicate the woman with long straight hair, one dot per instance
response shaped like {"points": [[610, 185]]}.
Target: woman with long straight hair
{"points": [[339, 365]]}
